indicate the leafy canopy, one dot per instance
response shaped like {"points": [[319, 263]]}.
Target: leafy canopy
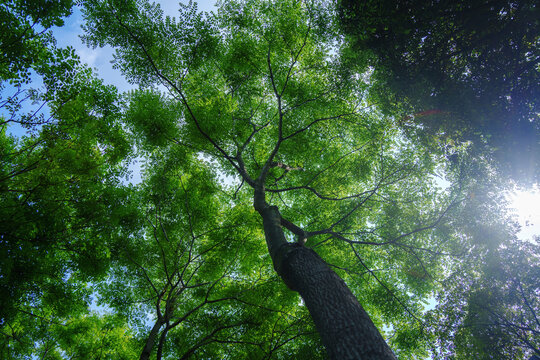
{"points": [[261, 91]]}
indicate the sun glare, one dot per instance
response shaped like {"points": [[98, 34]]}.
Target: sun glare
{"points": [[526, 207]]}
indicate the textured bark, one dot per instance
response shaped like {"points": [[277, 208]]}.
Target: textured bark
{"points": [[345, 328]]}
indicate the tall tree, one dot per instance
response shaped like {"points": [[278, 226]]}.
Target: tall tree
{"points": [[460, 70], [256, 90], [250, 126]]}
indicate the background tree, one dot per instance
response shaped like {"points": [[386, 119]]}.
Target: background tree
{"points": [[463, 70], [59, 202], [25, 41], [492, 314], [59, 186]]}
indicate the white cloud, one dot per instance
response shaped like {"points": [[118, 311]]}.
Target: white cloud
{"points": [[88, 55]]}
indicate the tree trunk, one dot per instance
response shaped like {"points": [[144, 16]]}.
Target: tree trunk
{"points": [[345, 328], [151, 340]]}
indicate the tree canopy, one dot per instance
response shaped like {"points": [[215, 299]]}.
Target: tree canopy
{"points": [[282, 213]]}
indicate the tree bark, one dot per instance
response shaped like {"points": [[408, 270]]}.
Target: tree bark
{"points": [[345, 328]]}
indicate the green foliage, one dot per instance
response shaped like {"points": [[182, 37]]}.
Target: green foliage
{"points": [[153, 118], [55, 337], [58, 183], [24, 42], [193, 267], [260, 93]]}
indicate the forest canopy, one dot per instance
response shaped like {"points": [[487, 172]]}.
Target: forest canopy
{"points": [[310, 187]]}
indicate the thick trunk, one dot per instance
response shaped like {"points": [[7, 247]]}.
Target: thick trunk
{"points": [[345, 328]]}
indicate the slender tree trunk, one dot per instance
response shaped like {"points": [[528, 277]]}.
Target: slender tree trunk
{"points": [[151, 340], [345, 328], [161, 343]]}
